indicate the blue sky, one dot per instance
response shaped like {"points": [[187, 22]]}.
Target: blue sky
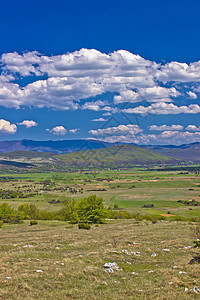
{"points": [[112, 70]]}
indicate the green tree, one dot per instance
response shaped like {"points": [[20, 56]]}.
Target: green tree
{"points": [[91, 209], [69, 211]]}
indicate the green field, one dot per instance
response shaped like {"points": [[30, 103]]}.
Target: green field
{"points": [[130, 189]]}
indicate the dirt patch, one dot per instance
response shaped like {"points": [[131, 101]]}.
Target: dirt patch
{"points": [[167, 215]]}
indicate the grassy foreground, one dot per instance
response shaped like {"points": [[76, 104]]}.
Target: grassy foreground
{"points": [[54, 260]]}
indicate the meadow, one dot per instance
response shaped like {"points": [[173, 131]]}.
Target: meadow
{"points": [[56, 260], [130, 190]]}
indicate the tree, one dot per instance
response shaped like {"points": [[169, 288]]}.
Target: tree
{"points": [[91, 209], [69, 211]]}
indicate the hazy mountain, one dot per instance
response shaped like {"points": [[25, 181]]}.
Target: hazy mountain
{"points": [[185, 152], [62, 146]]}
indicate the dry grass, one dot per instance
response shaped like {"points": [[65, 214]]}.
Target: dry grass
{"points": [[53, 260]]}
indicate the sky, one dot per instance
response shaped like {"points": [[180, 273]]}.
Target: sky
{"points": [[118, 71]]}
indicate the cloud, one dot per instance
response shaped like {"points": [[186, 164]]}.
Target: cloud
{"points": [[7, 128], [58, 130], [192, 95], [165, 127], [151, 94], [64, 80], [74, 130], [164, 109], [99, 120], [119, 130], [193, 128], [180, 72], [25, 64], [28, 124], [96, 106]]}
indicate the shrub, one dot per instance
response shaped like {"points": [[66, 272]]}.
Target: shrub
{"points": [[84, 226], [33, 222], [154, 220], [1, 224]]}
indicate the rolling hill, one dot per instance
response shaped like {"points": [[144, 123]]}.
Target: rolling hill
{"points": [[119, 156]]}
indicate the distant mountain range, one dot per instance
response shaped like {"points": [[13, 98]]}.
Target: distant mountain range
{"points": [[114, 157], [185, 152], [60, 147], [45, 150]]}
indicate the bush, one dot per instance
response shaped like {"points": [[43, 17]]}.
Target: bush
{"points": [[84, 226], [33, 222], [1, 224]]}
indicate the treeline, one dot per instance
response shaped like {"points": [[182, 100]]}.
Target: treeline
{"points": [[89, 210]]}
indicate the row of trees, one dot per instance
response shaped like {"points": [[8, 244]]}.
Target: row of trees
{"points": [[90, 209]]}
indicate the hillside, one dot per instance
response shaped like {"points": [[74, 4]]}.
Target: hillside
{"points": [[186, 152], [120, 156]]}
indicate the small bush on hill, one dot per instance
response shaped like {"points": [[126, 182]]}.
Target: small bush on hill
{"points": [[33, 222], [84, 226]]}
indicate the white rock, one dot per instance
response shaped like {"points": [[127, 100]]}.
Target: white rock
{"points": [[182, 272], [134, 273], [137, 253], [153, 254], [167, 250], [39, 271], [196, 290], [109, 270]]}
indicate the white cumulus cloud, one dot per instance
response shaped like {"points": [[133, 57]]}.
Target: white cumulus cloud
{"points": [[163, 108], [192, 95], [28, 123], [6, 127], [119, 130], [58, 130], [99, 120], [68, 78], [75, 130], [193, 128], [166, 127]]}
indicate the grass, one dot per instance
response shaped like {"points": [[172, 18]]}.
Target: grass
{"points": [[54, 260]]}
